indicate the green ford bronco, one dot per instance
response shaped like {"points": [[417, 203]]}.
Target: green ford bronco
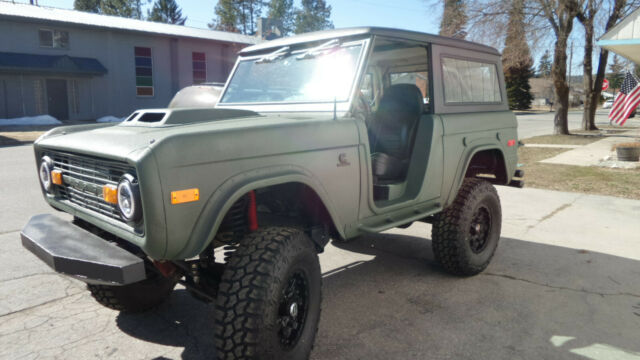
{"points": [[327, 135]]}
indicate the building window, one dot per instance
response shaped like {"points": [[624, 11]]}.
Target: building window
{"points": [[199, 61], [54, 38], [467, 81], [144, 71]]}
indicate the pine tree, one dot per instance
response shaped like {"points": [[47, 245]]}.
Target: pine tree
{"points": [[313, 16], [248, 14], [282, 11], [87, 5], [226, 16], [166, 11], [517, 62], [237, 16], [544, 68], [137, 9], [454, 19], [123, 8]]}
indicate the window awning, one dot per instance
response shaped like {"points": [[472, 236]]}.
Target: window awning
{"points": [[50, 64], [624, 38]]}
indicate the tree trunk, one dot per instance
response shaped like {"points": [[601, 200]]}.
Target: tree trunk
{"points": [[593, 88], [587, 18], [589, 116], [559, 74]]}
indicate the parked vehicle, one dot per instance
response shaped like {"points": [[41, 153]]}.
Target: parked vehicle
{"points": [[607, 104], [327, 135], [204, 95]]}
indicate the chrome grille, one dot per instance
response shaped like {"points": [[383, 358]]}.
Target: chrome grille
{"points": [[84, 176]]}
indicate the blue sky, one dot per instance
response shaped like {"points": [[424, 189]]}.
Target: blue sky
{"points": [[407, 14], [417, 15]]}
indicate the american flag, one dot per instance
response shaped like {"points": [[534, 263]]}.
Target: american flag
{"points": [[626, 100]]}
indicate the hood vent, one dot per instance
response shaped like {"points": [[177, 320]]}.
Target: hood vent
{"points": [[169, 117], [152, 117], [132, 116]]}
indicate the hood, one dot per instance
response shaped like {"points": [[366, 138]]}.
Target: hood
{"points": [[182, 116], [122, 140], [140, 130]]}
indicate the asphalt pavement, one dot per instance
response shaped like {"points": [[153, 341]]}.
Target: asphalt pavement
{"points": [[564, 284], [541, 123]]}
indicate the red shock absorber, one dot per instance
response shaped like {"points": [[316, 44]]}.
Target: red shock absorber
{"points": [[166, 268], [252, 215]]}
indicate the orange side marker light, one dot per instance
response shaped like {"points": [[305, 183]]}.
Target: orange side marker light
{"points": [[110, 194], [511, 142], [185, 196], [56, 177]]}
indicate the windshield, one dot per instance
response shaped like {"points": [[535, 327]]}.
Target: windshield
{"points": [[323, 74]]}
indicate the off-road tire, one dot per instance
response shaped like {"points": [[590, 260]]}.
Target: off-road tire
{"points": [[249, 302], [133, 298], [452, 231]]}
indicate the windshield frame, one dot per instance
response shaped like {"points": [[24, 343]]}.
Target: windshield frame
{"points": [[341, 106]]}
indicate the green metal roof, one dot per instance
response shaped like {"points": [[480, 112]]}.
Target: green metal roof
{"points": [[52, 64]]}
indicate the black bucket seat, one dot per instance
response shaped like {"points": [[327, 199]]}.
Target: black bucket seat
{"points": [[392, 131]]}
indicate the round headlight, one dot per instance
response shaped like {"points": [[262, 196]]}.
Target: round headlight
{"points": [[129, 198], [46, 165]]}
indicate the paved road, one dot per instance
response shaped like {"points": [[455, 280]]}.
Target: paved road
{"points": [[534, 124], [565, 284]]}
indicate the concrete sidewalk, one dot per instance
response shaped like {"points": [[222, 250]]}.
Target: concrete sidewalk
{"points": [[596, 153]]}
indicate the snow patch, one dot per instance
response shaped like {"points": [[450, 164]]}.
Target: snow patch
{"points": [[108, 119], [31, 120]]}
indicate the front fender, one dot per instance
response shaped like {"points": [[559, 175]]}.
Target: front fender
{"points": [[234, 188]]}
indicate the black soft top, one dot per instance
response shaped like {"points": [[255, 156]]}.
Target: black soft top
{"points": [[363, 31]]}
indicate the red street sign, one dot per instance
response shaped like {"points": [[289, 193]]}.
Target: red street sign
{"points": [[605, 84]]}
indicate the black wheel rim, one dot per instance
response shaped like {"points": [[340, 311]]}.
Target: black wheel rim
{"points": [[479, 230], [293, 307]]}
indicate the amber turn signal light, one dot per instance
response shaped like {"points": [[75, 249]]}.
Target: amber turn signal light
{"points": [[56, 177], [110, 194], [184, 196]]}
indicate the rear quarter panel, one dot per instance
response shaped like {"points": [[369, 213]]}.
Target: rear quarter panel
{"points": [[467, 133], [471, 127]]}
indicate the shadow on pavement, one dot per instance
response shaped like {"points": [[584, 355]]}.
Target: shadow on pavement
{"points": [[180, 322], [534, 301], [10, 141]]}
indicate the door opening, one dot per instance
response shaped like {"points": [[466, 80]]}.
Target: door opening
{"points": [[57, 99]]}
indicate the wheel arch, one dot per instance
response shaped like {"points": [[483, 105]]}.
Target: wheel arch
{"points": [[478, 155], [223, 198]]}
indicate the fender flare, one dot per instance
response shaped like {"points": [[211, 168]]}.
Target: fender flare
{"points": [[219, 203], [466, 160]]}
